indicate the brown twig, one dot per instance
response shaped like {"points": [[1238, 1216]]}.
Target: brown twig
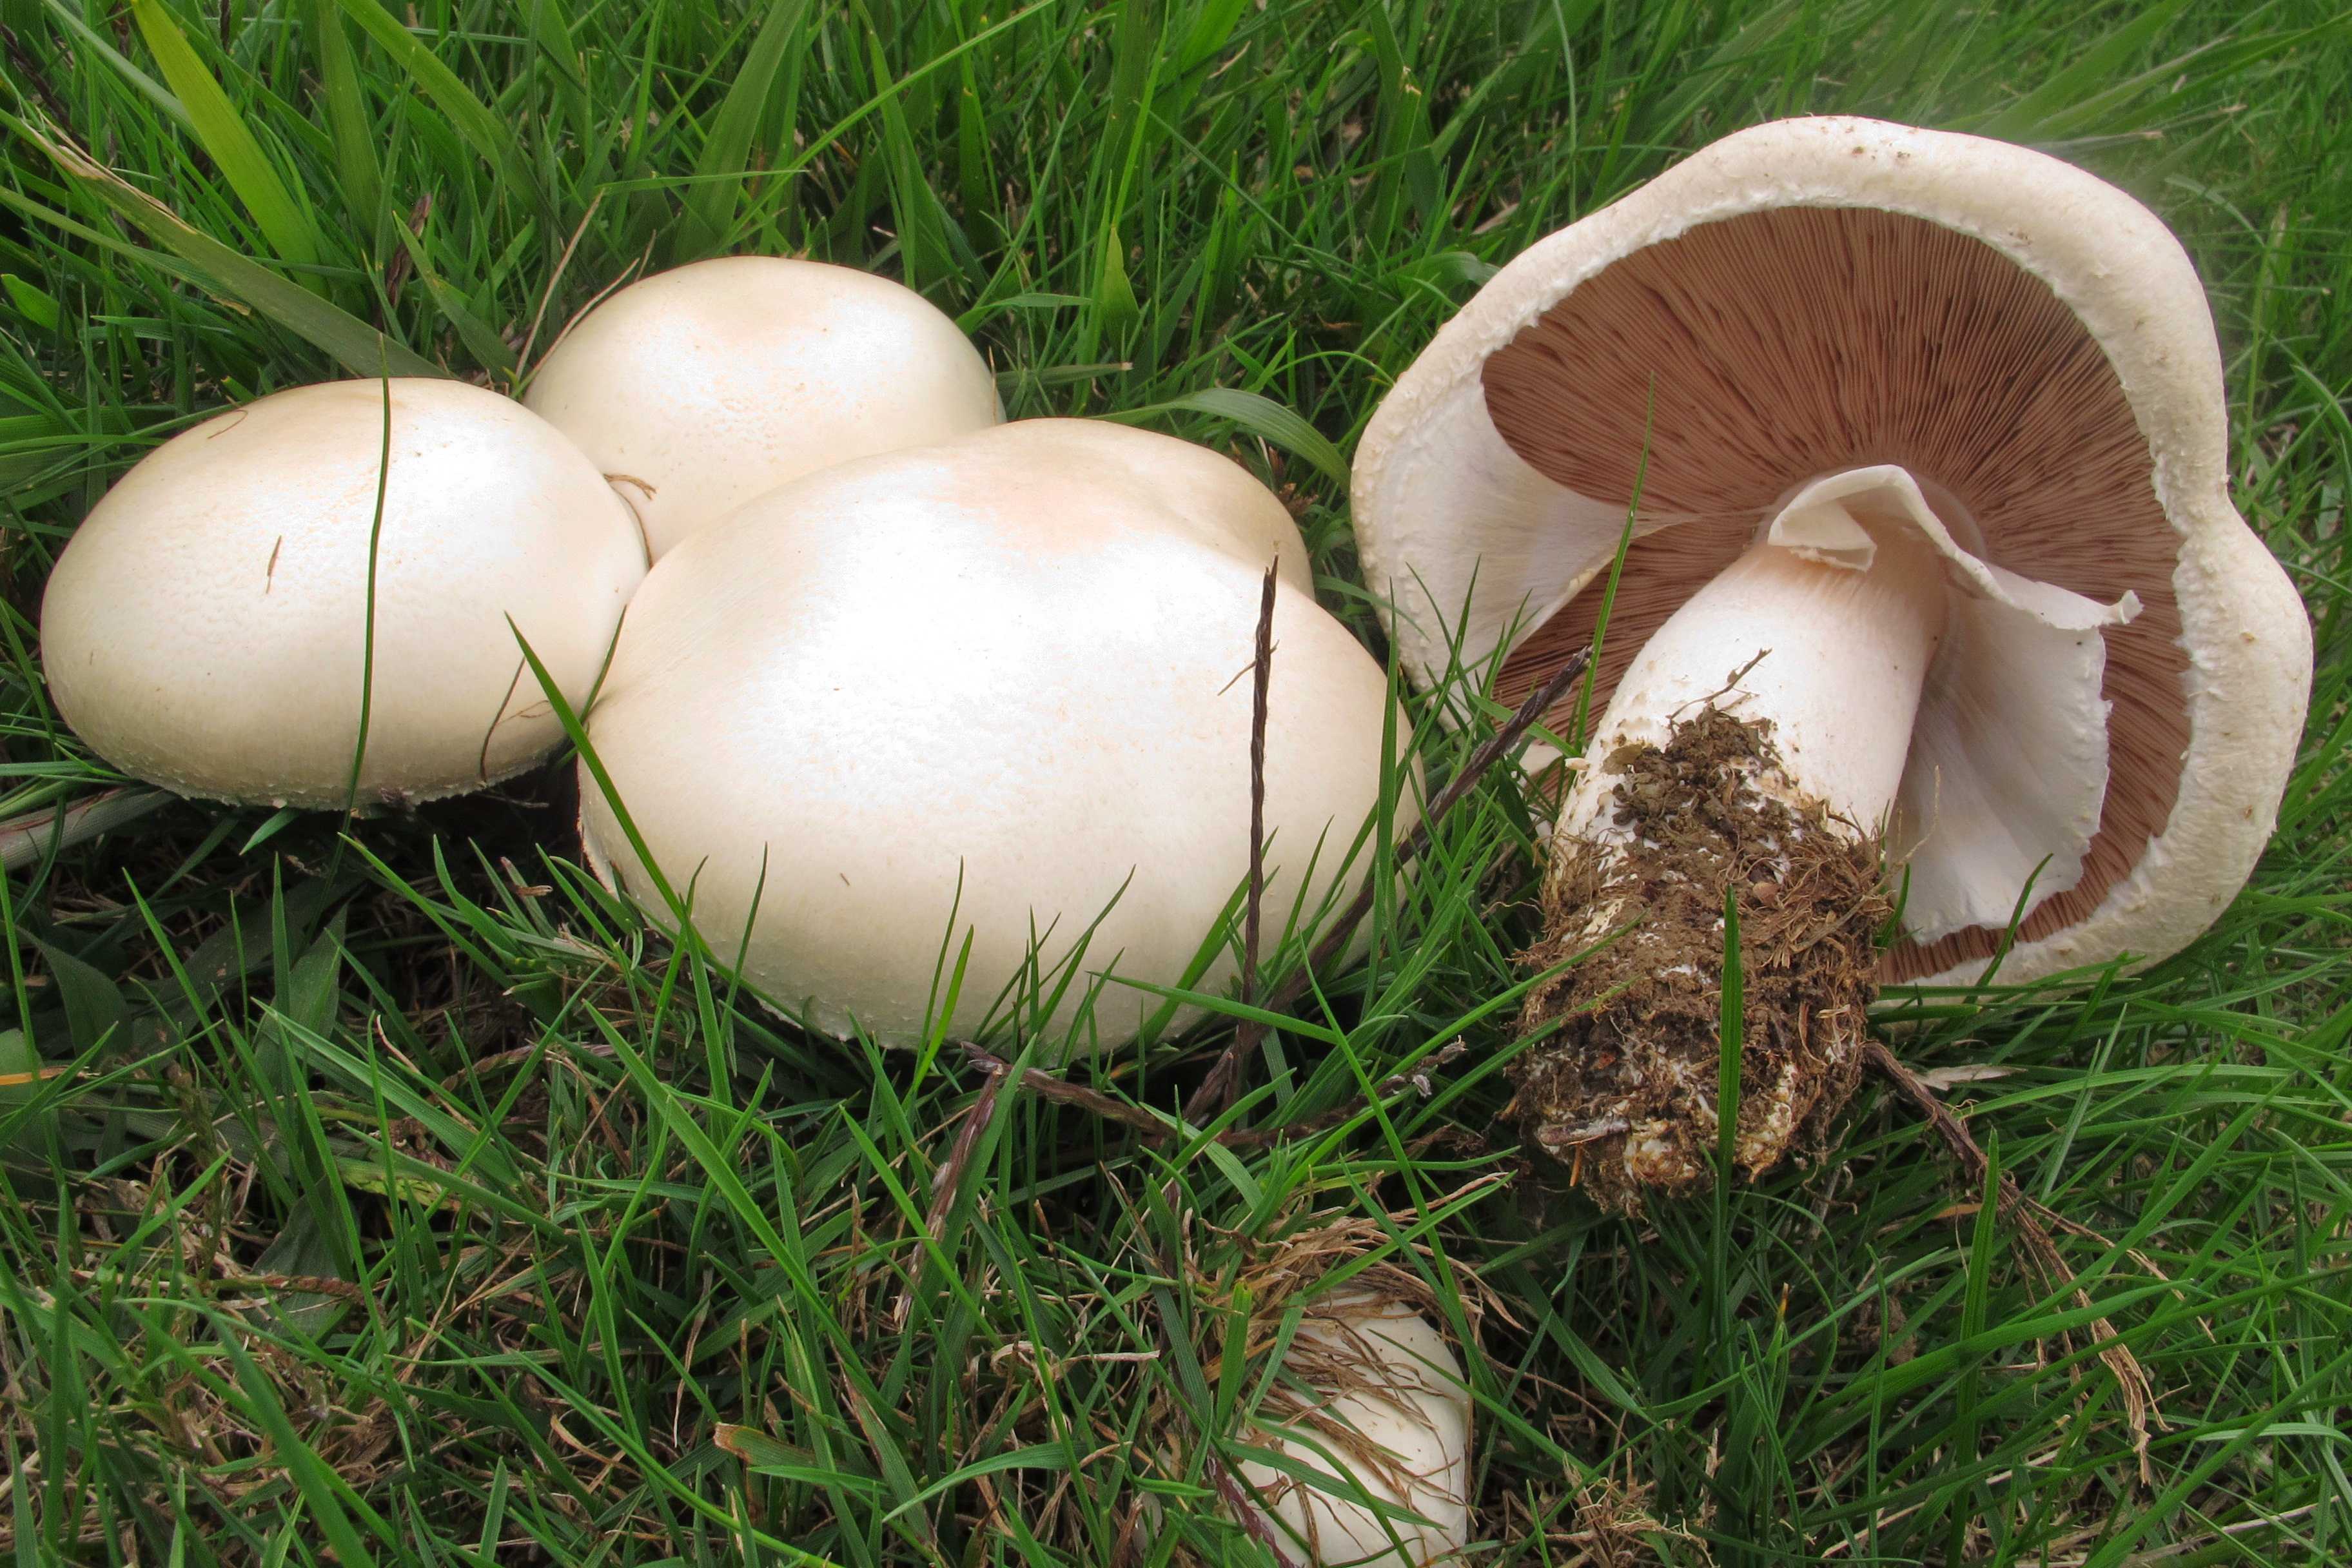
{"points": [[1216, 1091], [404, 261], [24, 840], [2032, 1221], [562, 264], [948, 1183]]}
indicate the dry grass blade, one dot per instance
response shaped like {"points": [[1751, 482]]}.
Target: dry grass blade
{"points": [[1062, 1091], [959, 1162], [2032, 1222]]}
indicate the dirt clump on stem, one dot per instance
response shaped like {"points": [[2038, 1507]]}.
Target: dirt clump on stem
{"points": [[1624, 1091]]}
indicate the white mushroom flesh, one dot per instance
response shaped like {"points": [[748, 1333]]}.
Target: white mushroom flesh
{"points": [[994, 691]]}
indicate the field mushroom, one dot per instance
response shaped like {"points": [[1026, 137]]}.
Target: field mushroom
{"points": [[1384, 1412], [983, 688], [208, 627], [699, 388], [1934, 571]]}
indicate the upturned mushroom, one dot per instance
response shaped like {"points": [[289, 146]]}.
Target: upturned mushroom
{"points": [[227, 613], [1935, 596], [996, 689], [1373, 1409], [699, 388]]}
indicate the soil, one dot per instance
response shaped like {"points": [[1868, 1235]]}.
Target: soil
{"points": [[1623, 1093]]}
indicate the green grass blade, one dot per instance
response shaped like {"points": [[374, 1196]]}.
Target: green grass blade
{"points": [[228, 138], [359, 347]]}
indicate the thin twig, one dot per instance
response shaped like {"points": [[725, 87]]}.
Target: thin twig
{"points": [[404, 261], [2197, 1543], [300, 1284], [523, 356], [948, 1183], [1496, 747], [2028, 1219], [1216, 1091]]}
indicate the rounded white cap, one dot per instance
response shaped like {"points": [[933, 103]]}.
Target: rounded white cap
{"points": [[205, 629], [995, 688], [1817, 295], [697, 389]]}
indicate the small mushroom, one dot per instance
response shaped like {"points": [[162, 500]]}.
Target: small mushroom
{"points": [[1385, 1414], [699, 388], [997, 689], [208, 627], [1933, 566]]}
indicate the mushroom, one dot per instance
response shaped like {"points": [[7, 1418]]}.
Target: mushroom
{"points": [[699, 388], [1933, 571], [1383, 1415], [995, 690], [209, 627]]}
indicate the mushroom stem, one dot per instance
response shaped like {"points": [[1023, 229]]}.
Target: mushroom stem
{"points": [[1825, 629], [1755, 746]]}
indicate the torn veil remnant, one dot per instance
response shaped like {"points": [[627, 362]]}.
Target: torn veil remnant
{"points": [[1934, 568]]}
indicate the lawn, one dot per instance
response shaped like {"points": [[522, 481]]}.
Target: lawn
{"points": [[383, 1191]]}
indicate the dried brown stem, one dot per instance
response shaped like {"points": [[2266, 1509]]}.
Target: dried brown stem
{"points": [[1216, 1091], [562, 264], [1224, 1077], [24, 840], [2032, 1222], [300, 1284]]}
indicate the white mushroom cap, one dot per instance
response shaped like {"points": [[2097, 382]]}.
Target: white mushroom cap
{"points": [[1813, 296], [205, 629], [1403, 1420], [998, 686], [699, 388]]}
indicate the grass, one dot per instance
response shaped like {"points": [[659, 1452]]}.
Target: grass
{"points": [[381, 1192]]}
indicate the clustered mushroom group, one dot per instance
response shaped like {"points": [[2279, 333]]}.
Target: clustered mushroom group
{"points": [[1886, 468]]}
